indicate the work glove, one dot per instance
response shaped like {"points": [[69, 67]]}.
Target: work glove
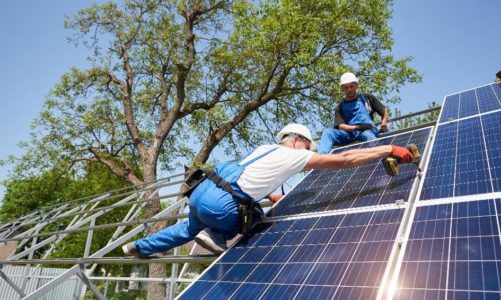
{"points": [[363, 127], [401, 154], [383, 129], [275, 197]]}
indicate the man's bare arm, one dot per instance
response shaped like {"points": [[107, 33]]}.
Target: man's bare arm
{"points": [[349, 159]]}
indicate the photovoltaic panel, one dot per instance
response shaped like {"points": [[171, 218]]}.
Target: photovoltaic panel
{"points": [[466, 158], [367, 185], [471, 102], [450, 249], [454, 252], [341, 256]]}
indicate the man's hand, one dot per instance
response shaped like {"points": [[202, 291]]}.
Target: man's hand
{"points": [[363, 127], [401, 154], [275, 197], [383, 129]]}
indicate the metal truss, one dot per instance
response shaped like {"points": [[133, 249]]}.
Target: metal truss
{"points": [[34, 238]]}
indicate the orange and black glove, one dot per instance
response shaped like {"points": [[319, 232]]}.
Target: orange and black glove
{"points": [[275, 197], [401, 154]]}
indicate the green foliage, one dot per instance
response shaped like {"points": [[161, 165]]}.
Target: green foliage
{"points": [[55, 188], [198, 74]]}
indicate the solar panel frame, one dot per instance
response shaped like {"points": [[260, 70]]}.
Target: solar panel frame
{"points": [[489, 100], [453, 169], [450, 235], [482, 114]]}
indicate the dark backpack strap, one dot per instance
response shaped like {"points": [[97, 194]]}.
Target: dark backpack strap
{"points": [[224, 185]]}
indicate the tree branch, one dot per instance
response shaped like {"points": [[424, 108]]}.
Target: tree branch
{"points": [[124, 172], [215, 137]]}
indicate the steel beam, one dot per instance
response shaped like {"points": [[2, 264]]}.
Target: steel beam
{"points": [[92, 286], [115, 260], [11, 283]]}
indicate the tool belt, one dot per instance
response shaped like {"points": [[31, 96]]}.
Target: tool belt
{"points": [[249, 211]]}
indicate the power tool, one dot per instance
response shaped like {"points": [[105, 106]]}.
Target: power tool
{"points": [[391, 164]]}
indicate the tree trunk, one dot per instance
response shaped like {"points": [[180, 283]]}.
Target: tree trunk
{"points": [[156, 290]]}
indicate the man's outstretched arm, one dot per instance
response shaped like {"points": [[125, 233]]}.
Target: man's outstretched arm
{"points": [[357, 157]]}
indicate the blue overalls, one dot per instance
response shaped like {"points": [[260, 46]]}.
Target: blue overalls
{"points": [[210, 206], [354, 112]]}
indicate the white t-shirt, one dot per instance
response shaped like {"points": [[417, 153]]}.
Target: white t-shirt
{"points": [[265, 175]]}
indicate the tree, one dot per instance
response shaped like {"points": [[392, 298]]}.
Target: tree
{"points": [[54, 188], [172, 80]]}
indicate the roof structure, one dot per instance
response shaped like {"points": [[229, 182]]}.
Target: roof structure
{"points": [[356, 234]]}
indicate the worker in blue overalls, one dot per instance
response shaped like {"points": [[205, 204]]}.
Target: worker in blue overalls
{"points": [[353, 118], [215, 202]]}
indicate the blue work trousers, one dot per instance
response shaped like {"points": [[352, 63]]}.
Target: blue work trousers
{"points": [[210, 206], [332, 137]]}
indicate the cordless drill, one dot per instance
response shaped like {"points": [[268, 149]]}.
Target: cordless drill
{"points": [[391, 164]]}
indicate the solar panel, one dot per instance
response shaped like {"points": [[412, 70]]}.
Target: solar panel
{"points": [[465, 159], [338, 233], [471, 102], [368, 185], [342, 256], [453, 251]]}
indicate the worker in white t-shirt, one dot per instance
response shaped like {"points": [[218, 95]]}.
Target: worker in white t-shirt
{"points": [[255, 177]]}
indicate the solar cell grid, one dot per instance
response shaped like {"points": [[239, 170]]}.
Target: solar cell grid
{"points": [[471, 102], [450, 108], [439, 177], [465, 158], [468, 104], [487, 98], [342, 255], [472, 174], [325, 190], [454, 250], [496, 87], [492, 131]]}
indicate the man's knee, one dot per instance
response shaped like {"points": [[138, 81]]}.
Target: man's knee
{"points": [[328, 132], [332, 137], [367, 136]]}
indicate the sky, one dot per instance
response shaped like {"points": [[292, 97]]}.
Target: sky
{"points": [[455, 45]]}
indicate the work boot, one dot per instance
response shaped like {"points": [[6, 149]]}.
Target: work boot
{"points": [[130, 249], [211, 241]]}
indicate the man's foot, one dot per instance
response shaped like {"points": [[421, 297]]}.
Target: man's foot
{"points": [[130, 249], [211, 241]]}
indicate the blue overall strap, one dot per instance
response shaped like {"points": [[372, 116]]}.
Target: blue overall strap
{"points": [[259, 157]]}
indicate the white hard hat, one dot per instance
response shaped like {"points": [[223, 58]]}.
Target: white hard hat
{"points": [[347, 78], [297, 129]]}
